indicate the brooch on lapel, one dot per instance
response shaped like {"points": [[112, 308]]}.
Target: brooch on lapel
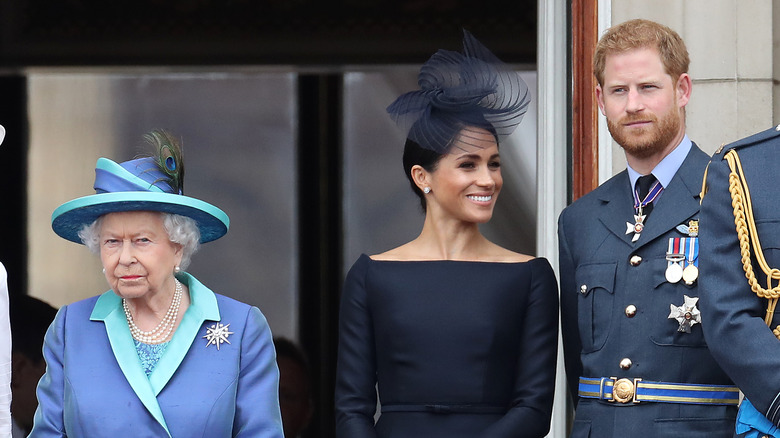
{"points": [[687, 314], [218, 334]]}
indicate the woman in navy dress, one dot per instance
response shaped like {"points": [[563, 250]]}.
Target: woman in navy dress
{"points": [[456, 334]]}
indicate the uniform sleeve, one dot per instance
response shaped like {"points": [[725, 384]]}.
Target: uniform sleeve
{"points": [[572, 345], [355, 397], [531, 410], [48, 420], [732, 315], [5, 357], [257, 396]]}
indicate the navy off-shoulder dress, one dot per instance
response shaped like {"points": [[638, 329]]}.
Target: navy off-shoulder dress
{"points": [[454, 349]]}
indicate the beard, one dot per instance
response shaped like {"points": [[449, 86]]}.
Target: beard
{"points": [[646, 142]]}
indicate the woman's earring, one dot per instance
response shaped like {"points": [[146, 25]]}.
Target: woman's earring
{"points": [[104, 270], [177, 269], [427, 190]]}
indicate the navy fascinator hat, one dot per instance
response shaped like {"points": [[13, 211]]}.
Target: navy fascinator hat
{"points": [[459, 91]]}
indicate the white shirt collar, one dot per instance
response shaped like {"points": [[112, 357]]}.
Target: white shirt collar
{"points": [[667, 168]]}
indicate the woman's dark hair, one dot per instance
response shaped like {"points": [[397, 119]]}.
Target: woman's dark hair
{"points": [[416, 155]]}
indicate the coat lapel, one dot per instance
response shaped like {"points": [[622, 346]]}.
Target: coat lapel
{"points": [[618, 207], [680, 201], [203, 307], [108, 309]]}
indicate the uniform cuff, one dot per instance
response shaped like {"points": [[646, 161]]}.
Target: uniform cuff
{"points": [[773, 413]]}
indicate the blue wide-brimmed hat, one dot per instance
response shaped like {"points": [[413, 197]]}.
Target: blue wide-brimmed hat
{"points": [[137, 185]]}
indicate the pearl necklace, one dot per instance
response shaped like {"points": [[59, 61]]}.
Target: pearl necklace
{"points": [[160, 333]]}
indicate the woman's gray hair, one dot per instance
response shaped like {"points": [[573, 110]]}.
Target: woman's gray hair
{"points": [[181, 229]]}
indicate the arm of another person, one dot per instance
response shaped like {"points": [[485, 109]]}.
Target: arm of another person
{"points": [[732, 315], [356, 368], [48, 420], [531, 410], [257, 397], [5, 357], [572, 345]]}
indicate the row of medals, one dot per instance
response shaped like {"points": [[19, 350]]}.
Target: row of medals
{"points": [[674, 270]]}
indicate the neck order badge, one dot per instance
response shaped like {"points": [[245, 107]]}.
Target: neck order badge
{"points": [[644, 195]]}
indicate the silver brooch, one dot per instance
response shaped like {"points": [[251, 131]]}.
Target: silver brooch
{"points": [[687, 314], [218, 334]]}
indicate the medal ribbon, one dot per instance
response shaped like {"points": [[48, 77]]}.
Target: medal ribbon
{"points": [[692, 253], [676, 245], [651, 195], [675, 250]]}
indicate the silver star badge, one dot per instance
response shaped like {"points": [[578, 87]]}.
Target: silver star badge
{"points": [[687, 314], [218, 334]]}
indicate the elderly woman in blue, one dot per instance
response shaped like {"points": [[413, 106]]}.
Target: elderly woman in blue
{"points": [[160, 354]]}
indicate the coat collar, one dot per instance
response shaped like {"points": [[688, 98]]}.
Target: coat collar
{"points": [[679, 202], [108, 308]]}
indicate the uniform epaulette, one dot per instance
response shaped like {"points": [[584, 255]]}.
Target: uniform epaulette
{"points": [[770, 134]]}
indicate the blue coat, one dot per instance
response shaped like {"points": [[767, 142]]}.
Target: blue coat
{"points": [[94, 385], [733, 316], [599, 283]]}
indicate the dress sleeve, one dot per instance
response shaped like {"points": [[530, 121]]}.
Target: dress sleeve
{"points": [[355, 397], [257, 396], [572, 345], [48, 420], [531, 410], [732, 315]]}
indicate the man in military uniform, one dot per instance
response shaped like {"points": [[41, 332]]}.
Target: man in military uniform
{"points": [[636, 360], [737, 302]]}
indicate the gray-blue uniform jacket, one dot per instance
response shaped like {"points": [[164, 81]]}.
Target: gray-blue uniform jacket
{"points": [[615, 308], [733, 316]]}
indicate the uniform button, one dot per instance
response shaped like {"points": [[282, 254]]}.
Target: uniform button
{"points": [[625, 363], [583, 288], [630, 310], [635, 260]]}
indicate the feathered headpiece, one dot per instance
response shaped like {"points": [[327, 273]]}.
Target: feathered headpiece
{"points": [[459, 91], [153, 183], [169, 160]]}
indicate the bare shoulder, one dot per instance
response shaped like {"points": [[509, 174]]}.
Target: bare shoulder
{"points": [[401, 253], [503, 255]]}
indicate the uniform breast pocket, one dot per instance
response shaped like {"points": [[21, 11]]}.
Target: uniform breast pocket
{"points": [[666, 329], [596, 283], [769, 235]]}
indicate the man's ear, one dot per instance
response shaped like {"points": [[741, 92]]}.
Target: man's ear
{"points": [[600, 99], [683, 88]]}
